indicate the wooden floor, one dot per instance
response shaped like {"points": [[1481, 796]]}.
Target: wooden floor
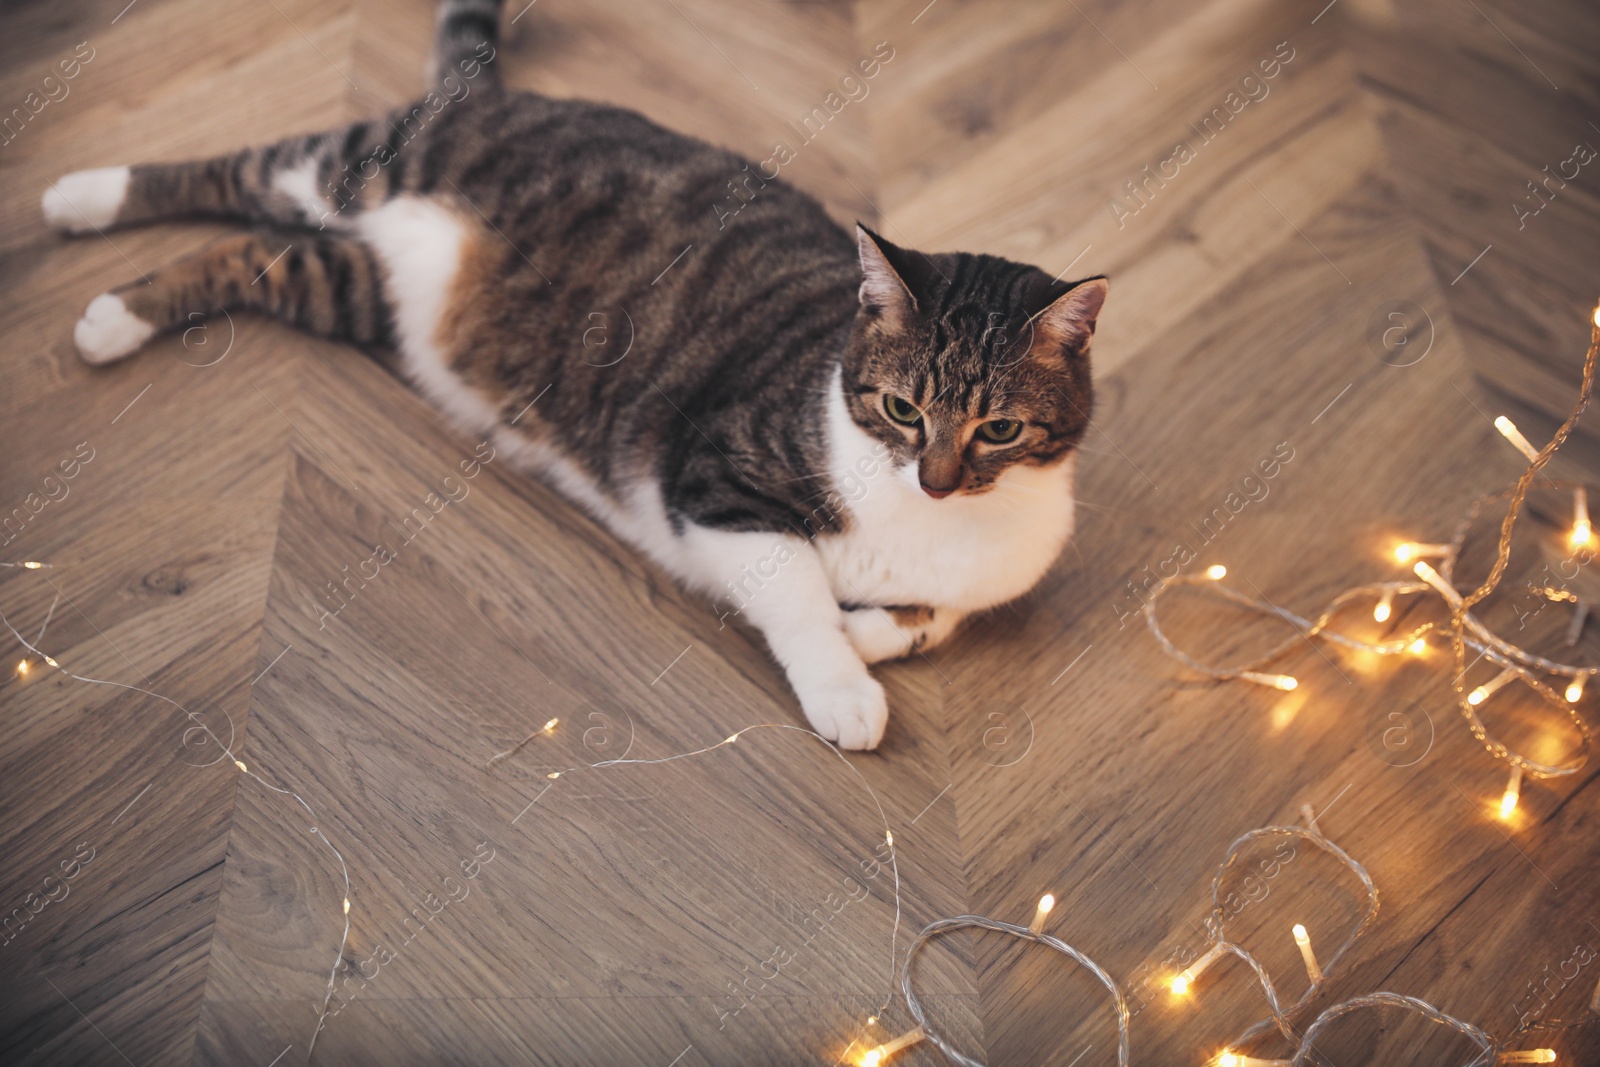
{"points": [[700, 911]]}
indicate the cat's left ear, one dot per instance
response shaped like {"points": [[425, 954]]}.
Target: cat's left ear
{"points": [[1067, 324], [884, 291]]}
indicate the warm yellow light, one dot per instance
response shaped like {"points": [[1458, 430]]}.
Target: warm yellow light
{"points": [[1514, 435], [1046, 902], [22, 667], [239, 763], [1227, 1059], [731, 739], [33, 566], [1385, 606], [347, 905], [1216, 572], [1181, 984], [1597, 316], [876, 1056], [1489, 688], [872, 1020], [551, 725], [888, 836], [1415, 550], [1575, 689], [1582, 529], [52, 662], [1418, 647], [1303, 939], [1535, 1055], [1285, 682], [553, 774], [1508, 802]]}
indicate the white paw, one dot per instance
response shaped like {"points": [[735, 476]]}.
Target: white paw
{"points": [[876, 636], [86, 200], [851, 711], [108, 330]]}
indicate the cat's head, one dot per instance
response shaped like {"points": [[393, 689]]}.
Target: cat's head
{"points": [[967, 365]]}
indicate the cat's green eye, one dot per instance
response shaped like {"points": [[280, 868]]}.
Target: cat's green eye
{"points": [[902, 411], [1000, 431]]}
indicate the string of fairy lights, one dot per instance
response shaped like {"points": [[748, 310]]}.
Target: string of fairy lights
{"points": [[1466, 631], [24, 667], [1434, 564]]}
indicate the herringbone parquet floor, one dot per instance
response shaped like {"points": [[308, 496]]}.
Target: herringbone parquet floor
{"points": [[1263, 181]]}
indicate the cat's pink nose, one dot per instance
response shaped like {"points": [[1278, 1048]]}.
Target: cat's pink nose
{"points": [[937, 494]]}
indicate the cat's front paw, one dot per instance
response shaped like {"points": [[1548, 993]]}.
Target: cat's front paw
{"points": [[850, 710]]}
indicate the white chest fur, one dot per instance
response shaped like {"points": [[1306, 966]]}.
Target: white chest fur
{"points": [[903, 547]]}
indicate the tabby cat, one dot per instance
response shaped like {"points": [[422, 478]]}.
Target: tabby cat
{"points": [[851, 445]]}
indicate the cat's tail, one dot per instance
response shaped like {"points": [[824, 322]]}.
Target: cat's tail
{"points": [[466, 43]]}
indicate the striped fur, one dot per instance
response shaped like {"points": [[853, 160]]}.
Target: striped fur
{"points": [[565, 276]]}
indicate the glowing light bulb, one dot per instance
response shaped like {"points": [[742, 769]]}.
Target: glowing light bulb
{"points": [[1385, 606], [731, 739], [1285, 682], [1418, 647], [1303, 940], [347, 905], [1234, 1059], [52, 662], [239, 763], [1575, 689], [22, 667], [876, 1056], [1046, 902], [872, 1020], [1582, 530], [888, 836], [1216, 572], [32, 565], [1509, 430], [1508, 801], [1183, 983], [553, 774], [1533, 1055], [1435, 579], [551, 725], [1489, 688], [1415, 550]]}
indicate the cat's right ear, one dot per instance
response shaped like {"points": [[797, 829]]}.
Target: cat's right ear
{"points": [[884, 293]]}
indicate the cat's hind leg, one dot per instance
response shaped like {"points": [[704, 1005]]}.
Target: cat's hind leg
{"points": [[318, 181], [322, 283]]}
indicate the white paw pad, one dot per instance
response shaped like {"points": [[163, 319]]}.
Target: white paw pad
{"points": [[108, 330], [86, 200], [852, 712]]}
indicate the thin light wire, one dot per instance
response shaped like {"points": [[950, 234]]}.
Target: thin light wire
{"points": [[1214, 923], [1488, 1048], [894, 862], [1022, 933], [243, 768]]}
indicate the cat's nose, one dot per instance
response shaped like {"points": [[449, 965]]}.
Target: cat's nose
{"points": [[937, 494]]}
